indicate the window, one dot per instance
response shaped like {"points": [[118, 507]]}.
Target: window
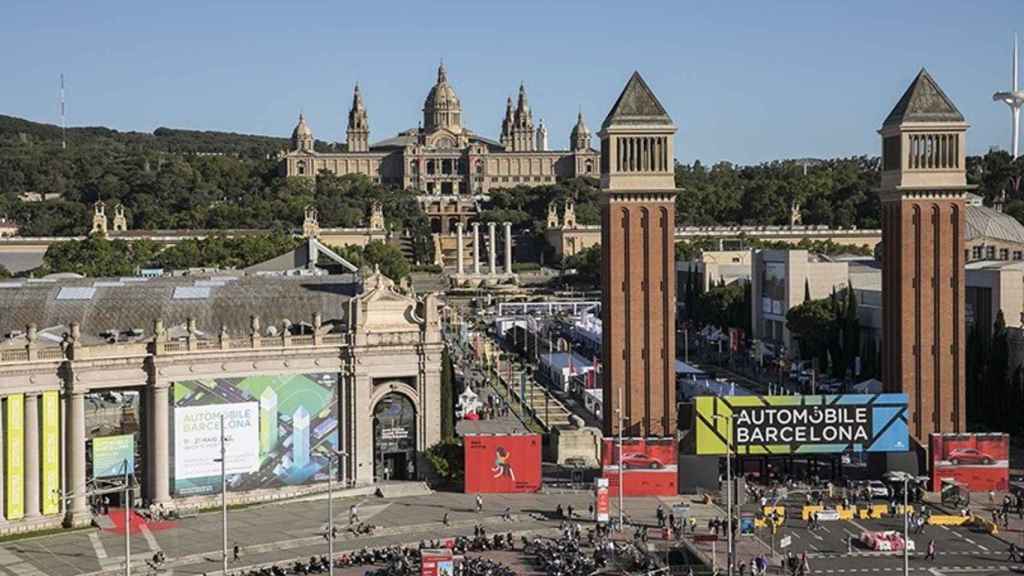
{"points": [[302, 167], [976, 253], [1004, 254], [990, 252], [431, 167], [1017, 255]]}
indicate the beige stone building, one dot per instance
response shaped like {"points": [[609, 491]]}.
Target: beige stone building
{"points": [[301, 364], [442, 157]]}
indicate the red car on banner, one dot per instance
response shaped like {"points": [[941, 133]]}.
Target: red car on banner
{"points": [[981, 461], [502, 463], [648, 466]]}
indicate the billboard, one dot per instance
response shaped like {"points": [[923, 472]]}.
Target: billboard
{"points": [[982, 461], [437, 562], [50, 452], [802, 424], [110, 453], [14, 467], [502, 463], [279, 431], [601, 499], [649, 466]]}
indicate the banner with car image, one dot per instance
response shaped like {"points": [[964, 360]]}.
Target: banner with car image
{"points": [[649, 466], [981, 461], [802, 424]]}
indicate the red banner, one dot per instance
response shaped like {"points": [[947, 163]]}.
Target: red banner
{"points": [[982, 461], [601, 499], [649, 466], [502, 464], [436, 562]]}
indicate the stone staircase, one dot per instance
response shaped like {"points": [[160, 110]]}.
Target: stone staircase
{"points": [[403, 489]]}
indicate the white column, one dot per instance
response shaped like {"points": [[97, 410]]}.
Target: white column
{"points": [[508, 248], [158, 462], [493, 269], [476, 248], [74, 447], [458, 256], [31, 456]]}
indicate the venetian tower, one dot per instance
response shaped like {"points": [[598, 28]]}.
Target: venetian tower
{"points": [[638, 264], [358, 135], [922, 195]]}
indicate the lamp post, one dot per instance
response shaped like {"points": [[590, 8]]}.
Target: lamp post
{"points": [[127, 520], [728, 485], [622, 419], [906, 552], [223, 498], [335, 454]]}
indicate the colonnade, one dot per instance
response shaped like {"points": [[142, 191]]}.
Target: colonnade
{"points": [[492, 260]]}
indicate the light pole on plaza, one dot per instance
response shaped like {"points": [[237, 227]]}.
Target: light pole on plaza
{"points": [[223, 497], [906, 552], [728, 485], [334, 454]]}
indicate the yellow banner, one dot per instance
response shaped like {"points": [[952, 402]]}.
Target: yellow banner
{"points": [[15, 469], [51, 452]]}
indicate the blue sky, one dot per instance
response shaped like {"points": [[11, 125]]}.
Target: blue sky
{"points": [[744, 81]]}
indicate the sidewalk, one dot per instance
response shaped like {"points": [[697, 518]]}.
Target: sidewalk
{"points": [[715, 552], [982, 508]]}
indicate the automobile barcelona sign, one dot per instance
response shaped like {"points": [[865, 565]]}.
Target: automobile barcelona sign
{"points": [[802, 424]]}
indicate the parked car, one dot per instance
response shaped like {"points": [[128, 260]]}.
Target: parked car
{"points": [[878, 489], [969, 456], [885, 541], [640, 461]]}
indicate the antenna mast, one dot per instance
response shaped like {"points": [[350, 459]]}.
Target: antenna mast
{"points": [[63, 122]]}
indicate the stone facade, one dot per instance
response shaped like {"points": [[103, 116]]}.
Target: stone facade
{"points": [[638, 265], [923, 188], [442, 157], [379, 342]]}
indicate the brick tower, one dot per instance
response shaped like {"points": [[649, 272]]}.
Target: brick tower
{"points": [[922, 196], [638, 265]]}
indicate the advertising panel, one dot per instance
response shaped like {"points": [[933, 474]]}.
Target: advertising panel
{"points": [[437, 562], [112, 455], [802, 424], [981, 461], [502, 463], [14, 467], [649, 466], [601, 499], [279, 431], [50, 452]]}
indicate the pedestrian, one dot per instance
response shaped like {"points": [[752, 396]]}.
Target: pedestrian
{"points": [[931, 551], [445, 519], [236, 552], [805, 564], [571, 511], [672, 520], [507, 516], [1014, 554], [479, 503], [590, 511], [353, 514], [660, 514]]}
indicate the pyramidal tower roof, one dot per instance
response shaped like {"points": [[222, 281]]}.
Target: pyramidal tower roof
{"points": [[636, 105], [923, 101]]}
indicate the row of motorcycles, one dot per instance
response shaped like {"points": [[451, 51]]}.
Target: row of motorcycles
{"points": [[564, 557], [389, 556]]}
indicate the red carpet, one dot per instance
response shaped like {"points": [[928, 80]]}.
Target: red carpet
{"points": [[136, 521]]}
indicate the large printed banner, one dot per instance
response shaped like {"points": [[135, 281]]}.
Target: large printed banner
{"points": [[14, 468], [502, 463], [50, 440], [437, 562], [802, 424], [649, 466], [981, 461], [279, 431], [601, 500], [112, 456]]}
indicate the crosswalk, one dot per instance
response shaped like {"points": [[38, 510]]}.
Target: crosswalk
{"points": [[11, 564]]}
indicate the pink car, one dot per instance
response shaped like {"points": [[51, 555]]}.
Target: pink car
{"points": [[640, 461], [885, 541], [969, 456]]}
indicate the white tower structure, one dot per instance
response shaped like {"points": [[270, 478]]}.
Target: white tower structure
{"points": [[1014, 99], [542, 137]]}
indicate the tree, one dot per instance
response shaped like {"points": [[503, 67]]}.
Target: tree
{"points": [[851, 331], [813, 324], [447, 397], [587, 263], [388, 258], [723, 306]]}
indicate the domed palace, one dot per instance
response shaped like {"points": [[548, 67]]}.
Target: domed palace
{"points": [[442, 157]]}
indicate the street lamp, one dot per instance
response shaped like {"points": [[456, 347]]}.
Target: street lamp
{"points": [[622, 419], [728, 484], [331, 457], [223, 498], [906, 552]]}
